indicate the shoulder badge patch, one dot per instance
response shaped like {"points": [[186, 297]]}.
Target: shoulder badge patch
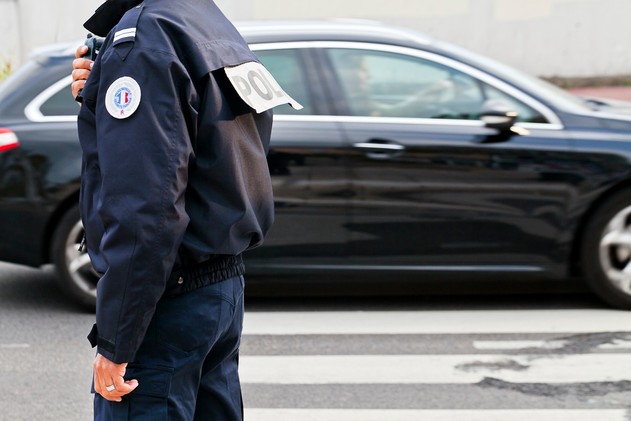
{"points": [[258, 88], [123, 97]]}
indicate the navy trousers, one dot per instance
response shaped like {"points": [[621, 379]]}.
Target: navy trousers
{"points": [[187, 364]]}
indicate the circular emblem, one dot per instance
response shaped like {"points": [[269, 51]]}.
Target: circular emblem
{"points": [[123, 97]]}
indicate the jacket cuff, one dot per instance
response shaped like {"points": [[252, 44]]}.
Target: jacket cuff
{"points": [[107, 348]]}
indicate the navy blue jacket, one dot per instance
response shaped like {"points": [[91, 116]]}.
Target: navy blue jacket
{"points": [[174, 166]]}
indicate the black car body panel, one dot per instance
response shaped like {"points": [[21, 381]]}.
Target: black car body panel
{"points": [[428, 195]]}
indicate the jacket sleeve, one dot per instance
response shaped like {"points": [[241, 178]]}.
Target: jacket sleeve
{"points": [[143, 160]]}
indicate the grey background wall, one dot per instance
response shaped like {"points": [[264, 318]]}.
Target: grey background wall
{"points": [[567, 38]]}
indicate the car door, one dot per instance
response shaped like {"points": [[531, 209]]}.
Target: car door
{"points": [[307, 161], [432, 187]]}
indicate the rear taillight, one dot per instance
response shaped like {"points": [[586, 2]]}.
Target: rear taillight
{"points": [[8, 140]]}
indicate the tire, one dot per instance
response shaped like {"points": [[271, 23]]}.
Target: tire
{"points": [[74, 271], [606, 251]]}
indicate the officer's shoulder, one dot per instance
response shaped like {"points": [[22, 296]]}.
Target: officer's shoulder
{"points": [[140, 28], [125, 30]]}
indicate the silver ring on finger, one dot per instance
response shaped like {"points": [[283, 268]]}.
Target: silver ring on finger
{"points": [[110, 388]]}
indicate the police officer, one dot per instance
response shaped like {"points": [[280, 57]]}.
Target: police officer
{"points": [[174, 125]]}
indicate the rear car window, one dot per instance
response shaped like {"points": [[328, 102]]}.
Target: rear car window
{"points": [[60, 104], [285, 66]]}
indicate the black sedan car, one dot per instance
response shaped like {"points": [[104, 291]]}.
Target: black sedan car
{"points": [[411, 160]]}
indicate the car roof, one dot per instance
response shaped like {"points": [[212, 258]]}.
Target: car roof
{"points": [[332, 29], [256, 32]]}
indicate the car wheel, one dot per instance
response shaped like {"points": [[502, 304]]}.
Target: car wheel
{"points": [[606, 251], [74, 270]]}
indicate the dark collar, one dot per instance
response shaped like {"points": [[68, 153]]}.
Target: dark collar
{"points": [[108, 15]]}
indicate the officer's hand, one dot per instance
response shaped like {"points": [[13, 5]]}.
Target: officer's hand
{"points": [[107, 373], [81, 68]]}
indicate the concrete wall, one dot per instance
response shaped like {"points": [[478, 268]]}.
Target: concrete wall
{"points": [[11, 45], [544, 37], [28, 24], [568, 38]]}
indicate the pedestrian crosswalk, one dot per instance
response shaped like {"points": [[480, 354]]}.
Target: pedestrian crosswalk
{"points": [[489, 365]]}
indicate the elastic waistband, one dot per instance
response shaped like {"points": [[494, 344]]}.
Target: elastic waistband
{"points": [[216, 269]]}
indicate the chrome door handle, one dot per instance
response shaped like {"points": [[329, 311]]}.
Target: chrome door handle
{"points": [[386, 147]]}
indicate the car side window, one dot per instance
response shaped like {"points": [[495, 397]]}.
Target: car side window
{"points": [[385, 84], [60, 104], [285, 66], [525, 113]]}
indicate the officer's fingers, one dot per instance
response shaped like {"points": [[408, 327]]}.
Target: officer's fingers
{"points": [[76, 87], [102, 378], [113, 396], [101, 384], [82, 63], [80, 74], [81, 50], [100, 387], [121, 388], [124, 387]]}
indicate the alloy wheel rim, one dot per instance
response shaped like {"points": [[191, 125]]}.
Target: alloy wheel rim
{"points": [[78, 262], [615, 250]]}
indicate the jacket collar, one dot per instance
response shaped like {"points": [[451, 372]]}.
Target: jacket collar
{"points": [[108, 15]]}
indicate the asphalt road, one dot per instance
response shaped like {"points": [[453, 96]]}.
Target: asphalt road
{"points": [[543, 356]]}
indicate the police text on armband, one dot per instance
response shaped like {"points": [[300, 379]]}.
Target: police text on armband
{"points": [[258, 88]]}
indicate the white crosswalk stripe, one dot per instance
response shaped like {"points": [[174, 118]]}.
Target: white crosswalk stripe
{"points": [[560, 351], [434, 415], [435, 369], [411, 322]]}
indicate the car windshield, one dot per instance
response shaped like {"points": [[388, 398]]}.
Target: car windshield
{"points": [[547, 91]]}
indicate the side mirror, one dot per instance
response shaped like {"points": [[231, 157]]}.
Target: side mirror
{"points": [[498, 114]]}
